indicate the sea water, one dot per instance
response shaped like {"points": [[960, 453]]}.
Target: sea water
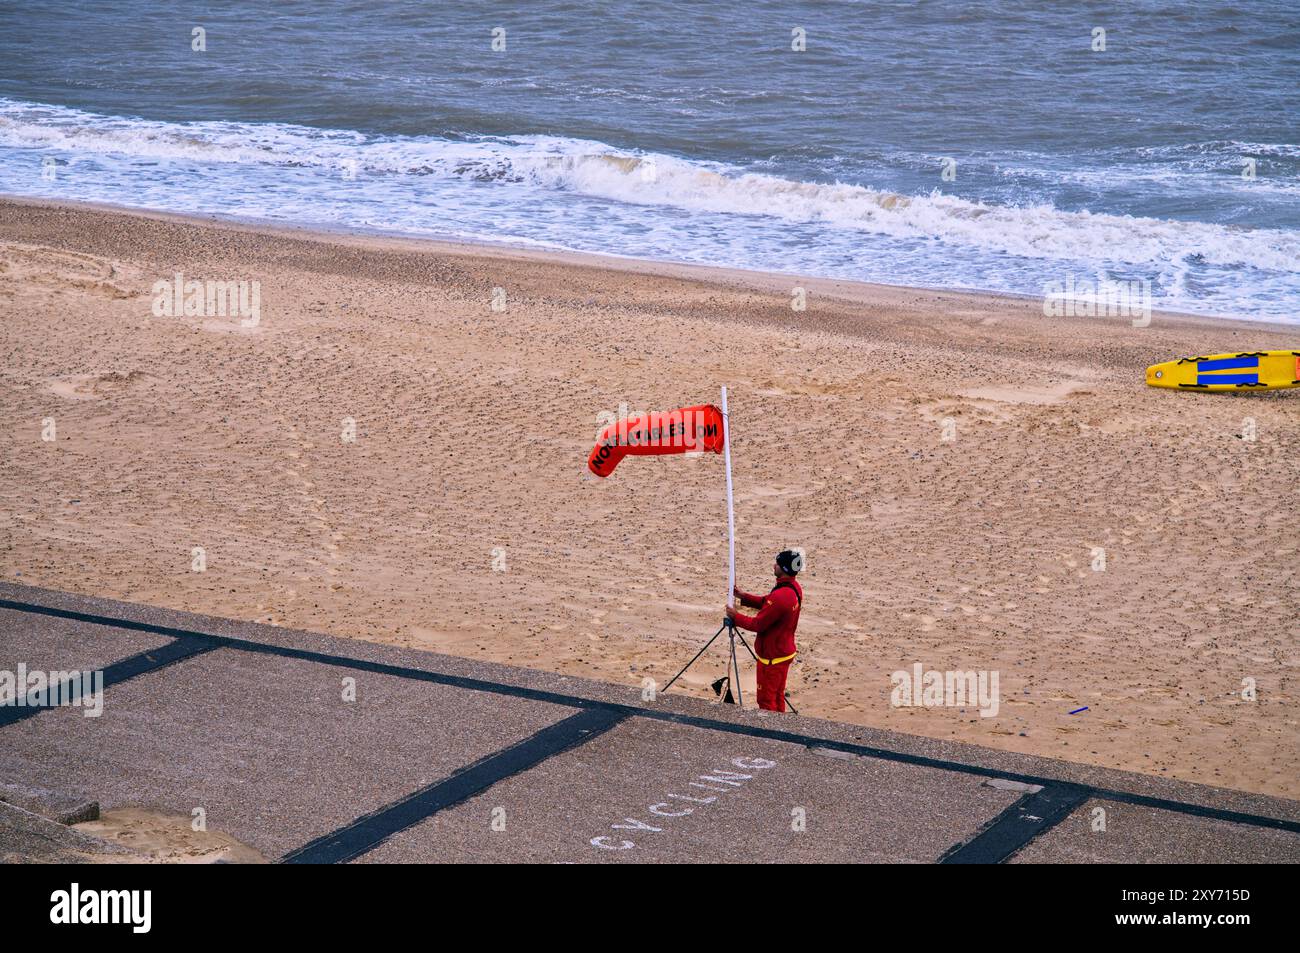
{"points": [[997, 145]]}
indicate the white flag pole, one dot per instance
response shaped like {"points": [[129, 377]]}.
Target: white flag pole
{"points": [[731, 512]]}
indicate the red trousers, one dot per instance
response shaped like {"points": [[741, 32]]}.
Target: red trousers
{"points": [[771, 685]]}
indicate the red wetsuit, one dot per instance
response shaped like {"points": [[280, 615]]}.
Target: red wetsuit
{"points": [[777, 618]]}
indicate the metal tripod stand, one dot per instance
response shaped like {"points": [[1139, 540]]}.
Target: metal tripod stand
{"points": [[733, 634]]}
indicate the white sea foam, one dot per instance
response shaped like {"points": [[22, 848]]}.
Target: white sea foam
{"points": [[1037, 231]]}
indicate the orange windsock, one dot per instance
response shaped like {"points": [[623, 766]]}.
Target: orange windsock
{"points": [[687, 430]]}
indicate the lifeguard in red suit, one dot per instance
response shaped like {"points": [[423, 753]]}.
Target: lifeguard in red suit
{"points": [[777, 618]]}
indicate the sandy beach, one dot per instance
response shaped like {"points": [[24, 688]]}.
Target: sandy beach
{"points": [[953, 464]]}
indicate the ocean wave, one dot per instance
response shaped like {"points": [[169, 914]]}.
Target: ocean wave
{"points": [[1032, 231], [595, 169]]}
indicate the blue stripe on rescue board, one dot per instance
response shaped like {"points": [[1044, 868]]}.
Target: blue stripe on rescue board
{"points": [[1227, 379], [1227, 364]]}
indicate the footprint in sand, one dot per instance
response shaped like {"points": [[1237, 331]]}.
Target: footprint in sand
{"points": [[978, 411], [1030, 394], [30, 268], [98, 386]]}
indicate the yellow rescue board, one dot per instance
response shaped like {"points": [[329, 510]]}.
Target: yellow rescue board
{"points": [[1243, 371]]}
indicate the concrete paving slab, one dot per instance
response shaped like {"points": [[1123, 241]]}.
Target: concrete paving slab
{"points": [[660, 792], [58, 645], [1139, 835], [52, 805], [266, 746]]}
